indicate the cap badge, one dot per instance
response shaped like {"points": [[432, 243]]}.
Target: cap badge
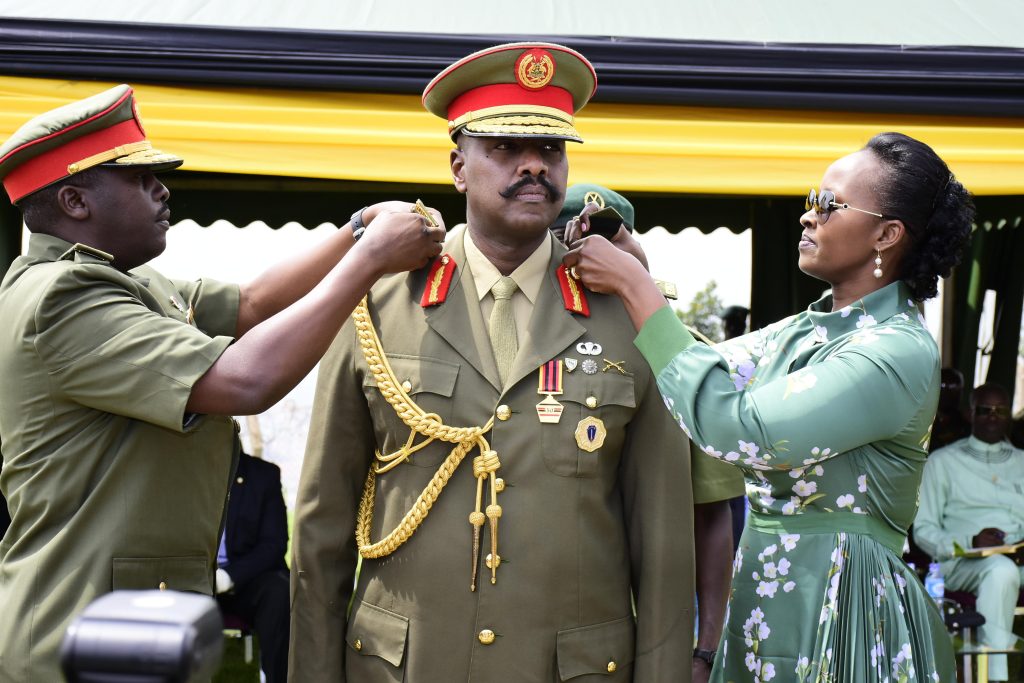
{"points": [[593, 198], [535, 69]]}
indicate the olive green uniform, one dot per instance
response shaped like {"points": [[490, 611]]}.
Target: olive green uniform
{"points": [[110, 483], [580, 535]]}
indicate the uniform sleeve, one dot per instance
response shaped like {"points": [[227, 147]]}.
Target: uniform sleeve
{"points": [[928, 530], [105, 349], [324, 554], [713, 480], [214, 304], [864, 392], [658, 506]]}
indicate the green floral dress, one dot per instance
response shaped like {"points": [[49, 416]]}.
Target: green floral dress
{"points": [[827, 414]]}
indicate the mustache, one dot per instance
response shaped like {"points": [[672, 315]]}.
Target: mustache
{"points": [[553, 194]]}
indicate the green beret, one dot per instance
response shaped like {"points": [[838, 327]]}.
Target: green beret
{"points": [[578, 196]]}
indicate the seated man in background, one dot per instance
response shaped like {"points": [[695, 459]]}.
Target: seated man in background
{"points": [[973, 495], [252, 577]]}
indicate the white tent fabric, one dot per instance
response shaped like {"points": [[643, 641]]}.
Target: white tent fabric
{"points": [[979, 23]]}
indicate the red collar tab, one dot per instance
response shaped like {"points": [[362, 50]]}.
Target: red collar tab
{"points": [[439, 279], [573, 297]]}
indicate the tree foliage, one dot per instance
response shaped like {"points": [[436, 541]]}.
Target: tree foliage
{"points": [[703, 312]]}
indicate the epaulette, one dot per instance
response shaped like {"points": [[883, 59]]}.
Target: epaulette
{"points": [[667, 289], [83, 253], [572, 293], [439, 279]]}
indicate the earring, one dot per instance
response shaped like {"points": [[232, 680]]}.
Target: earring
{"points": [[878, 265]]}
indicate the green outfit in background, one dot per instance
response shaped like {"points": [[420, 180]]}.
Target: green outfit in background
{"points": [[968, 486], [582, 533], [110, 484], [827, 415]]}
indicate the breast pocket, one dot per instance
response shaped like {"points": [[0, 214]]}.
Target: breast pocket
{"points": [[429, 383], [376, 640], [588, 438]]}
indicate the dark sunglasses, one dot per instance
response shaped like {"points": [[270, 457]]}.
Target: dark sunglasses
{"points": [[825, 203], [992, 411]]}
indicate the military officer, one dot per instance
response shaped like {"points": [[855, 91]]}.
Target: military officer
{"points": [[714, 482], [488, 439], [118, 383]]}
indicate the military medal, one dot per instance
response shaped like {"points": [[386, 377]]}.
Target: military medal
{"points": [[590, 433], [570, 364], [549, 382], [589, 366]]}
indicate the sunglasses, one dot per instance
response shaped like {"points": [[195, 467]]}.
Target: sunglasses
{"points": [[825, 203], [992, 411]]}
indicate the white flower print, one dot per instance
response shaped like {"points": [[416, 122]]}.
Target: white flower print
{"points": [[862, 483], [768, 671], [818, 470], [821, 333], [682, 425], [845, 500], [770, 570], [710, 450], [901, 583], [732, 456], [767, 589], [748, 447], [865, 320], [799, 382], [790, 507], [744, 374], [751, 661], [789, 541], [797, 473], [783, 567], [819, 454], [767, 552], [788, 586], [845, 311], [805, 488], [803, 666]]}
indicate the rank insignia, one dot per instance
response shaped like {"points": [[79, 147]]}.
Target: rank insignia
{"points": [[572, 293], [590, 434], [570, 364], [439, 279]]}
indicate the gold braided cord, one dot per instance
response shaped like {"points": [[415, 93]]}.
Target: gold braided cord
{"points": [[535, 129], [420, 422]]}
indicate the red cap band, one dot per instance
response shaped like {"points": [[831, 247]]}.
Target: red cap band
{"points": [[52, 165], [500, 94]]}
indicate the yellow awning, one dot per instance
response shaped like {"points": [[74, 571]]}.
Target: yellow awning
{"points": [[631, 147]]}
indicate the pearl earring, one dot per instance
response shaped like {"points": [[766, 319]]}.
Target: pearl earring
{"points": [[878, 265]]}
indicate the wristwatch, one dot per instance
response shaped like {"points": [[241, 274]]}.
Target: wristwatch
{"points": [[707, 655], [358, 227]]}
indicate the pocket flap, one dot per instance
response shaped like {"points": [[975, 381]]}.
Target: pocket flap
{"points": [[596, 649], [376, 631], [423, 374], [604, 388], [166, 573]]}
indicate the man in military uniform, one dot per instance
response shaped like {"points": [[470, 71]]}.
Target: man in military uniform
{"points": [[715, 483], [118, 383], [492, 392]]}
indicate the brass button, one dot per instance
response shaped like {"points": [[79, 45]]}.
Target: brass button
{"points": [[503, 412], [490, 559], [486, 636], [406, 386], [240, 480], [499, 484], [612, 666], [358, 644], [591, 401], [162, 586]]}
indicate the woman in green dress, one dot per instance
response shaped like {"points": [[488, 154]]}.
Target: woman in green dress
{"points": [[827, 413]]}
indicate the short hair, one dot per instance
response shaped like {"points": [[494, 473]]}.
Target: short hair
{"points": [[990, 388], [39, 209]]}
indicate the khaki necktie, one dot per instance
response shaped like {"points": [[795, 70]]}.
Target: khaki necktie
{"points": [[502, 326]]}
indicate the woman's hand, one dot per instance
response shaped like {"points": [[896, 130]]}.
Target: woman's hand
{"points": [[578, 227]]}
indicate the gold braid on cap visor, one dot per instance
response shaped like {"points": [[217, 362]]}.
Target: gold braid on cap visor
{"points": [[432, 428], [141, 152], [516, 120]]}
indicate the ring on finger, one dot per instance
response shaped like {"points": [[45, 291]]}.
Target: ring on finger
{"points": [[573, 274]]}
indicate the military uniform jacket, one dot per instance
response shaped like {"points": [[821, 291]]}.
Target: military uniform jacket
{"points": [[581, 532], [110, 484]]}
